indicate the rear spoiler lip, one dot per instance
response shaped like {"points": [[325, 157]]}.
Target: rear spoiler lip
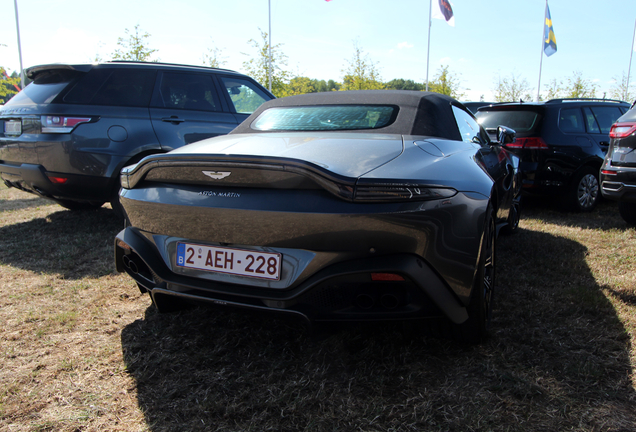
{"points": [[33, 71]]}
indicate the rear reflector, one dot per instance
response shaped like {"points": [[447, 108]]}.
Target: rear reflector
{"points": [[386, 277], [57, 180], [529, 143], [608, 172]]}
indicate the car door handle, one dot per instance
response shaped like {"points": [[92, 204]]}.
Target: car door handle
{"points": [[172, 119]]}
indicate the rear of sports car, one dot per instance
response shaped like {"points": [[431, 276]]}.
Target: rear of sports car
{"points": [[324, 227]]}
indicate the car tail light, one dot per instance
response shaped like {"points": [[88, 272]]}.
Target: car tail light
{"points": [[401, 192], [529, 143], [622, 130], [56, 179], [608, 172], [61, 124], [386, 277]]}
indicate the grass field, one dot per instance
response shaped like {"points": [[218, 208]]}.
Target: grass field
{"points": [[82, 350]]}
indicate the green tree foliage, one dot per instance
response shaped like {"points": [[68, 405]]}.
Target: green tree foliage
{"points": [[402, 84], [554, 90], [512, 89], [361, 73], [134, 46], [620, 89], [300, 85], [214, 58], [258, 66], [445, 83], [9, 85], [578, 87]]}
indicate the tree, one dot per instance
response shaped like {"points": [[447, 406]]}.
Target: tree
{"points": [[213, 58], [361, 73], [445, 83], [300, 85], [9, 85], [579, 88], [512, 89], [554, 90], [620, 89], [258, 66], [401, 84], [133, 47]]}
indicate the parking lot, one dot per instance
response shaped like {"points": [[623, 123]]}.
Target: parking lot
{"points": [[82, 349]]}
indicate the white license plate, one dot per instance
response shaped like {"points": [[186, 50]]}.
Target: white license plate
{"points": [[13, 127], [239, 262]]}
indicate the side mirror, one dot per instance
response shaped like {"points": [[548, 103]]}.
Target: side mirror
{"points": [[505, 135]]}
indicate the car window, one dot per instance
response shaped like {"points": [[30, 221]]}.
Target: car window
{"points": [[605, 116], [469, 129], [571, 120], [113, 87], [45, 88], [326, 118], [189, 91], [245, 96], [590, 121], [522, 121]]}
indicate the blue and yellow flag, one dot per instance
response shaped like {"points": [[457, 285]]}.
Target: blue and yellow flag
{"points": [[549, 42]]}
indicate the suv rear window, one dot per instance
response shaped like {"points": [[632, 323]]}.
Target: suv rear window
{"points": [[114, 87], [325, 118], [522, 121], [46, 86]]}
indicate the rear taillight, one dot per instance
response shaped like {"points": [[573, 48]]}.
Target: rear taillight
{"points": [[56, 179], [386, 277], [622, 130], [391, 191], [61, 124], [608, 172], [529, 143]]}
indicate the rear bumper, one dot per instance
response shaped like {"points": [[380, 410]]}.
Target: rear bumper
{"points": [[338, 292], [33, 178], [620, 187]]}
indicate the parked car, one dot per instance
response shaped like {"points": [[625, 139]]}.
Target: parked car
{"points": [[474, 106], [618, 173], [339, 206], [67, 135], [561, 142]]}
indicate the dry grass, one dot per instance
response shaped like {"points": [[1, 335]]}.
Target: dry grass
{"points": [[82, 350]]}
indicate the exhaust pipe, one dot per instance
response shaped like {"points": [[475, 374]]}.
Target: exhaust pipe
{"points": [[130, 264], [365, 301], [389, 301]]}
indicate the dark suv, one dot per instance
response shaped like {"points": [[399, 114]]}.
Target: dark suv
{"points": [[67, 135], [618, 174], [561, 142]]}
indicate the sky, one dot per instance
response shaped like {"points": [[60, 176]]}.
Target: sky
{"points": [[491, 39]]}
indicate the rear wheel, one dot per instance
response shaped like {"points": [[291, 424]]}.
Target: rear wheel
{"points": [[584, 192], [474, 330], [627, 211]]}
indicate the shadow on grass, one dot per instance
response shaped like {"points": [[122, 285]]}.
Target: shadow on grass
{"points": [[72, 244], [605, 216], [558, 359], [19, 204]]}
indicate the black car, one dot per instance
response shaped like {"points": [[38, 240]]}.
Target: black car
{"points": [[561, 142], [339, 206], [67, 135], [474, 106], [618, 173]]}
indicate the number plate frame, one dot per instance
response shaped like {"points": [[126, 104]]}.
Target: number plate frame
{"points": [[13, 127], [233, 261]]}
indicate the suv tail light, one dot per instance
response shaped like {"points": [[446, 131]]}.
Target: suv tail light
{"points": [[529, 143], [61, 124], [622, 130]]}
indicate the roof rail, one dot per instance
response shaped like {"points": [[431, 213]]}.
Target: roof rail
{"points": [[166, 64], [584, 100]]}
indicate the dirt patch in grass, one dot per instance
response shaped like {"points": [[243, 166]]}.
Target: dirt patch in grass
{"points": [[82, 349]]}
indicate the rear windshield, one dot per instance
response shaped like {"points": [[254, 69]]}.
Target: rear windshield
{"points": [[522, 121], [45, 88], [326, 118]]}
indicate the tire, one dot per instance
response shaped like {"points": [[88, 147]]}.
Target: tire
{"points": [[584, 192], [512, 223], [628, 212], [475, 328], [79, 205]]}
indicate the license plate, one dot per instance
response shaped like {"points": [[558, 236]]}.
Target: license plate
{"points": [[13, 127], [232, 261]]}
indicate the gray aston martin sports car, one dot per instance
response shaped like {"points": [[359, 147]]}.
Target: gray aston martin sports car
{"points": [[340, 206]]}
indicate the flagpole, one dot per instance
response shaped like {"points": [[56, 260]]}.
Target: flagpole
{"points": [[629, 69], [428, 49], [17, 26], [545, 14]]}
